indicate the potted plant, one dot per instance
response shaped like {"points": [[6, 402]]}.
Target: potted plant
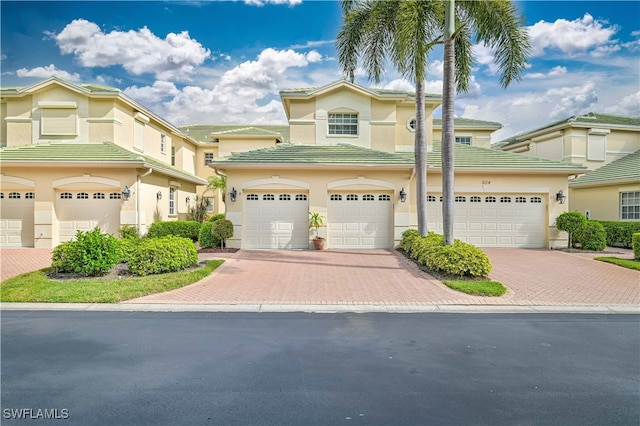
{"points": [[316, 221]]}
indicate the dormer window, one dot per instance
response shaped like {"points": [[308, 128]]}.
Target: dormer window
{"points": [[343, 124]]}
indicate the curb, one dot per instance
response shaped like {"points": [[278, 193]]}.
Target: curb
{"points": [[329, 309]]}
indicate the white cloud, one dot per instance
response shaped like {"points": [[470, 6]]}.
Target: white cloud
{"points": [[160, 90], [138, 52], [484, 55], [313, 43], [571, 37], [435, 69], [263, 2], [556, 71], [46, 72], [633, 45], [628, 106]]}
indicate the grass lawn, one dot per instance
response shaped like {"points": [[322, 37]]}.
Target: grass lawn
{"points": [[477, 288], [37, 287], [625, 263]]}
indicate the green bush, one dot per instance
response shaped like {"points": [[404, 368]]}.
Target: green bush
{"points": [[206, 239], [459, 259], [94, 253], [129, 231], [61, 258], [180, 228], [127, 247], [222, 230], [592, 236], [636, 245], [216, 217], [165, 254], [572, 223], [619, 234]]}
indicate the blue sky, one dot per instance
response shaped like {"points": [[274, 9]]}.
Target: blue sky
{"points": [[225, 61]]}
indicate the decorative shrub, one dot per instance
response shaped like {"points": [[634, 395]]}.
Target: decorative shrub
{"points": [[61, 258], [129, 231], [165, 254], [572, 223], [459, 259], [127, 247], [636, 245], [180, 228], [94, 253], [592, 236], [619, 234], [222, 229], [206, 239], [217, 216]]}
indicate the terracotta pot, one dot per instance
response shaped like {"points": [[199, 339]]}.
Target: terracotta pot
{"points": [[319, 243]]}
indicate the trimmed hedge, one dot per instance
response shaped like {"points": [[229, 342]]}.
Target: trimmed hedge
{"points": [[572, 223], [459, 259], [619, 234], [206, 238], [179, 228], [592, 236], [636, 245], [92, 253], [216, 217], [159, 255], [61, 258], [222, 230]]}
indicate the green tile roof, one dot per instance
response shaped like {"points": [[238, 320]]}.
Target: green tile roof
{"points": [[590, 119], [469, 123], [203, 132], [625, 169], [305, 91], [466, 157], [97, 153]]}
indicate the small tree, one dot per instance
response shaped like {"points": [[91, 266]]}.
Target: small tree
{"points": [[222, 229], [315, 222], [573, 223]]}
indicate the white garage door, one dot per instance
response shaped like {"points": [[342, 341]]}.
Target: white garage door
{"points": [[497, 220], [360, 221], [85, 210], [276, 220], [16, 219]]}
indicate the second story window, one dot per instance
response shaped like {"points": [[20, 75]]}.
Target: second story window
{"points": [[58, 118], [465, 140], [208, 158], [163, 143], [173, 155], [343, 124]]}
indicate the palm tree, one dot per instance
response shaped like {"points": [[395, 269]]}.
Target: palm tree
{"points": [[405, 32]]}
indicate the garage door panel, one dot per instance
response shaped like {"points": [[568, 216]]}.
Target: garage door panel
{"points": [[16, 219], [278, 222]]}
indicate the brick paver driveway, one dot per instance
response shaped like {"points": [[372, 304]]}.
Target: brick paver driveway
{"points": [[385, 277], [16, 261]]}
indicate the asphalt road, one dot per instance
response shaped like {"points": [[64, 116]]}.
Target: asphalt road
{"points": [[119, 368]]}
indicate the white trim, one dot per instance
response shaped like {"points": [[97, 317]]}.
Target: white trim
{"points": [[61, 104], [18, 119], [174, 183], [547, 136], [109, 120], [382, 123], [274, 180], [17, 180], [141, 117], [86, 179], [301, 121], [594, 131], [361, 181]]}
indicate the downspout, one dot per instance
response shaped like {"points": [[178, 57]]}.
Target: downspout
{"points": [[138, 186]]}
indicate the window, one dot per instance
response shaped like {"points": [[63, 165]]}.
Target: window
{"points": [[173, 155], [368, 197], [411, 124], [597, 145], [441, 198], [521, 199], [284, 197], [489, 199], [1, 195], [536, 200], [82, 196], [335, 197], [252, 197], [460, 199], [30, 195], [384, 197], [475, 199], [163, 143], [630, 205], [14, 195], [431, 199], [59, 121], [301, 197], [66, 196], [98, 196], [209, 204], [343, 124], [208, 158], [115, 196], [352, 197], [172, 201], [465, 140], [505, 199], [268, 197]]}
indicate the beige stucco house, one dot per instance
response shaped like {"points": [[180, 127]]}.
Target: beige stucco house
{"points": [[79, 156], [349, 156], [608, 146]]}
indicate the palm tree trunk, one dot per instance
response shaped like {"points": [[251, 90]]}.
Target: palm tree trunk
{"points": [[448, 132], [421, 158]]}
